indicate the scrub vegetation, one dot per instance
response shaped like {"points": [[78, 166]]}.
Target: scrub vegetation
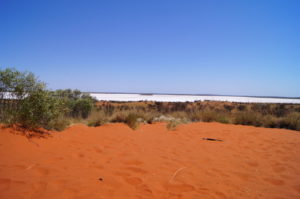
{"points": [[26, 102]]}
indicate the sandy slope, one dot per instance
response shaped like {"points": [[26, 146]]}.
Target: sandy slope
{"points": [[114, 161]]}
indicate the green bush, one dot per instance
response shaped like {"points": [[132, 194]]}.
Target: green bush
{"points": [[79, 104], [82, 107], [38, 110], [31, 106]]}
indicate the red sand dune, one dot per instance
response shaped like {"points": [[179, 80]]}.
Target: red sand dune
{"points": [[114, 161]]}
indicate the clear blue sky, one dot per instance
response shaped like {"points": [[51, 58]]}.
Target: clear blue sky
{"points": [[166, 46]]}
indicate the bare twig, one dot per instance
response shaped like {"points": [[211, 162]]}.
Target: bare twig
{"points": [[176, 172]]}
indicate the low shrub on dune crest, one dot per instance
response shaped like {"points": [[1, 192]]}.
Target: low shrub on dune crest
{"points": [[172, 125]]}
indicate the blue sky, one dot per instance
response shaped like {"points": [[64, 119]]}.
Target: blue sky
{"points": [[162, 46]]}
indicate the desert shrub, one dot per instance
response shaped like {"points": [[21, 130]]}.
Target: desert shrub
{"points": [[14, 87], [97, 122], [132, 121], [34, 107], [97, 118], [297, 109], [119, 117], [59, 123], [209, 116], [279, 110], [18, 84], [248, 118], [255, 115], [225, 119], [229, 108], [261, 108], [38, 110], [195, 116], [179, 106], [129, 118], [81, 107], [179, 115], [109, 109], [78, 104], [172, 124], [291, 121], [149, 116], [270, 121], [159, 106], [241, 107]]}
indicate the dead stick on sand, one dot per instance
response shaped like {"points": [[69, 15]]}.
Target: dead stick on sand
{"points": [[176, 172]]}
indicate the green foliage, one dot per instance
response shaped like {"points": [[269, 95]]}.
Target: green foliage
{"points": [[18, 84], [33, 106], [78, 104], [37, 110]]}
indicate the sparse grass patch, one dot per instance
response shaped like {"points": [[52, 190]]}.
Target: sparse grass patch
{"points": [[59, 123], [132, 121], [248, 118], [291, 121], [97, 118], [172, 125], [223, 119], [270, 122]]}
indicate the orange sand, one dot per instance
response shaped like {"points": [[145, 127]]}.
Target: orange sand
{"points": [[114, 161]]}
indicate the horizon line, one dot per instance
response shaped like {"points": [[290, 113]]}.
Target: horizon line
{"points": [[189, 94]]}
